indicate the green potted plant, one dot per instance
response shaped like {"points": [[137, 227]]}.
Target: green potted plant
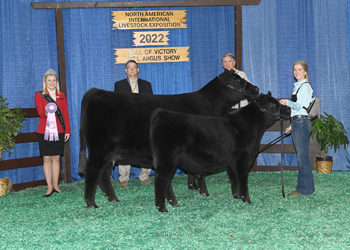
{"points": [[10, 125], [330, 133]]}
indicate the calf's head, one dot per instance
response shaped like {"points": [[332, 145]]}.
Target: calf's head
{"points": [[271, 106], [235, 82]]}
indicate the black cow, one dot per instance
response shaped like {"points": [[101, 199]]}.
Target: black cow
{"points": [[115, 126], [202, 144]]}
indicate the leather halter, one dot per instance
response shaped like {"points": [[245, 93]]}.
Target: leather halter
{"points": [[277, 114], [241, 90]]}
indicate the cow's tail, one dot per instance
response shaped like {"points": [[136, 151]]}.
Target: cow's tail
{"points": [[82, 151]]}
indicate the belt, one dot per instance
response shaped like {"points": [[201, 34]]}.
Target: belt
{"points": [[297, 117]]}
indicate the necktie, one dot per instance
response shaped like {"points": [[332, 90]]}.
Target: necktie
{"points": [[133, 86]]}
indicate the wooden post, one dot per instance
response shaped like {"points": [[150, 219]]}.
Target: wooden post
{"points": [[62, 80], [238, 36]]}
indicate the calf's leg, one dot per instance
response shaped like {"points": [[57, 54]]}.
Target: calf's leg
{"points": [[170, 196], [191, 181], [202, 186], [162, 185], [242, 176], [231, 171], [91, 175], [105, 184]]}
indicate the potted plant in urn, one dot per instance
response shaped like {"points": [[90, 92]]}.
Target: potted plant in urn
{"points": [[10, 125], [330, 133]]}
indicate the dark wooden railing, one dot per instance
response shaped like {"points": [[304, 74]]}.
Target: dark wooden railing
{"points": [[29, 161]]}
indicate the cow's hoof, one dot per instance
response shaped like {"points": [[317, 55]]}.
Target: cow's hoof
{"points": [[173, 203], [192, 186], [115, 200], [93, 205], [245, 200], [163, 210], [204, 194]]}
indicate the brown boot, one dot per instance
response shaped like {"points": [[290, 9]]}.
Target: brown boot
{"points": [[147, 181], [124, 184], [294, 193]]}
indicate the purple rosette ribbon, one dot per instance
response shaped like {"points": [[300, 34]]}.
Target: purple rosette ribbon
{"points": [[51, 127]]}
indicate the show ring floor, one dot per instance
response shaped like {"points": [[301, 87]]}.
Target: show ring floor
{"points": [[62, 221]]}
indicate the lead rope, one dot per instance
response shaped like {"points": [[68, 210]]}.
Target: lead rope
{"points": [[282, 176]]}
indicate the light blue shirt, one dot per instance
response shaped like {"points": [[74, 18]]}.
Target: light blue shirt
{"points": [[303, 98]]}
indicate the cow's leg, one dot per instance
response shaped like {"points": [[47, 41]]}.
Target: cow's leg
{"points": [[104, 181], [162, 185], [91, 175], [242, 177], [191, 181], [244, 190], [202, 186], [170, 195], [232, 174]]}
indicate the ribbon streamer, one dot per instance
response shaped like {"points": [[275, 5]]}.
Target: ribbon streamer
{"points": [[51, 127]]}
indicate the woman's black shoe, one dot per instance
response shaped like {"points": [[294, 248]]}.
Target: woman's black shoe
{"points": [[48, 195]]}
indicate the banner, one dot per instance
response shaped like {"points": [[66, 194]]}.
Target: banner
{"points": [[152, 55], [155, 19], [151, 38]]}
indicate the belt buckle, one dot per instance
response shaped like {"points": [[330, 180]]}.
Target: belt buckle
{"points": [[295, 117], [298, 116]]}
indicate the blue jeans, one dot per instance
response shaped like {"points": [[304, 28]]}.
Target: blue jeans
{"points": [[301, 129]]}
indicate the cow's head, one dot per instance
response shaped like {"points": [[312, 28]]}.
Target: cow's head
{"points": [[272, 107], [235, 82]]}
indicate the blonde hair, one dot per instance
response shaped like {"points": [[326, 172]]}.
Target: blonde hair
{"points": [[304, 65], [51, 72], [229, 55]]}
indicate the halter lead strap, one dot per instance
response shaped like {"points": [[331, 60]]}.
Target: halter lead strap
{"points": [[282, 151]]}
